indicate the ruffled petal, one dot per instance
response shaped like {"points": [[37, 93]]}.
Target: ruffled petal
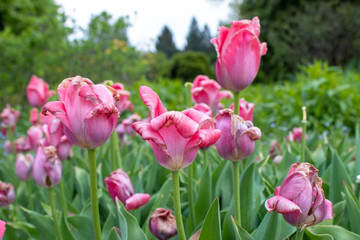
{"points": [[281, 205], [152, 100], [57, 109], [145, 130], [200, 118], [203, 138]]}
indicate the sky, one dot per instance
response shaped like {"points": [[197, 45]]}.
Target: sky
{"points": [[147, 17]]}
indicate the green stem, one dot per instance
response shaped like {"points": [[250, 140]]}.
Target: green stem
{"points": [[93, 194], [205, 158], [299, 234], [236, 102], [53, 211], [29, 193], [177, 206], [63, 199], [191, 196], [115, 152], [236, 182], [303, 135]]}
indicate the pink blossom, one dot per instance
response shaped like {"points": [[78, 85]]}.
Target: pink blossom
{"points": [[295, 135], [246, 109], [204, 108], [2, 228], [300, 198], [34, 115], [124, 101], [24, 165], [238, 54], [174, 136], [9, 117], [38, 92], [7, 194], [86, 110], [35, 135]]}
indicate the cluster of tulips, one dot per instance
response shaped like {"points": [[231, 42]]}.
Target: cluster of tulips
{"points": [[87, 115]]}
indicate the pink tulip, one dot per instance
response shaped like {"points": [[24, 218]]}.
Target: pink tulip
{"points": [[162, 224], [22, 144], [124, 101], [47, 167], [238, 54], [124, 128], [119, 186], [7, 194], [8, 147], [24, 166], [204, 108], [296, 134], [300, 198], [174, 136], [275, 149], [64, 148], [205, 90], [2, 228], [87, 111], [9, 117], [238, 136], [38, 92], [35, 134], [34, 114], [246, 109]]}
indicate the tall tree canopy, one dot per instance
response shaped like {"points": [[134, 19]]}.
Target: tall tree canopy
{"points": [[165, 42]]}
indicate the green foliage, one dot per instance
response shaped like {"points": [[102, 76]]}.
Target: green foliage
{"points": [[299, 32], [187, 65]]}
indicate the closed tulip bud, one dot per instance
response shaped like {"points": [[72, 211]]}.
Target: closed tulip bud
{"points": [[295, 135], [238, 54], [34, 115], [35, 134], [2, 228], [82, 107], [47, 167], [300, 198], [38, 92], [124, 100], [162, 224], [119, 186], [24, 166], [238, 136], [7, 194], [246, 109], [9, 117]]}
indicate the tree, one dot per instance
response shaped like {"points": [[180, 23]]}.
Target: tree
{"points": [[165, 42], [194, 38]]}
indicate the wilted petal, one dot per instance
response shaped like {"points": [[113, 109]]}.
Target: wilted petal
{"points": [[137, 200]]}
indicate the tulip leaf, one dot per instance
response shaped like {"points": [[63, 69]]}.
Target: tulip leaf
{"points": [[30, 229], [111, 221], [338, 212], [241, 234], [224, 185], [43, 224], [249, 197], [113, 235], [79, 227], [317, 236], [353, 209], [129, 227], [211, 229], [336, 232], [64, 228], [357, 149], [338, 175], [203, 201], [82, 184], [228, 231]]}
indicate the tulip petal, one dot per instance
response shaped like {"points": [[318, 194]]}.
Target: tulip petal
{"points": [[57, 109], [137, 200], [145, 130], [202, 119], [281, 205], [203, 138], [2, 228], [152, 100], [219, 41]]}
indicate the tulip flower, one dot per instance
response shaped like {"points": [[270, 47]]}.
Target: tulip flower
{"points": [[86, 110], [174, 136], [238, 54], [38, 92], [124, 101], [300, 198], [34, 114], [124, 128], [64, 148], [35, 134], [7, 194], [119, 186], [205, 90], [295, 135], [22, 144], [238, 136], [204, 108], [9, 117], [162, 224], [47, 167], [2, 228], [246, 109], [24, 166]]}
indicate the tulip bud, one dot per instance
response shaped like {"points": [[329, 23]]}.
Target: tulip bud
{"points": [[35, 134], [64, 148], [162, 224], [238, 137], [38, 92], [24, 166], [9, 117], [7, 194], [137, 200], [300, 198], [47, 167], [295, 135], [22, 144]]}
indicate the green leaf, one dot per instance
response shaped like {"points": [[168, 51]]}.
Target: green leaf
{"points": [[64, 228], [353, 210], [129, 227], [26, 227], [317, 236], [336, 232], [241, 234], [357, 151], [82, 183], [81, 227], [114, 235], [43, 224], [211, 229], [269, 227], [228, 231], [338, 212], [203, 201]]}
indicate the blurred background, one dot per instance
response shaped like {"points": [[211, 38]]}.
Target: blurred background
{"points": [[313, 52]]}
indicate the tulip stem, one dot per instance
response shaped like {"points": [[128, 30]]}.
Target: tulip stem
{"points": [[53, 211], [299, 234], [303, 135], [93, 194], [115, 152], [177, 206], [29, 193], [236, 181], [205, 158], [191, 196], [63, 199]]}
